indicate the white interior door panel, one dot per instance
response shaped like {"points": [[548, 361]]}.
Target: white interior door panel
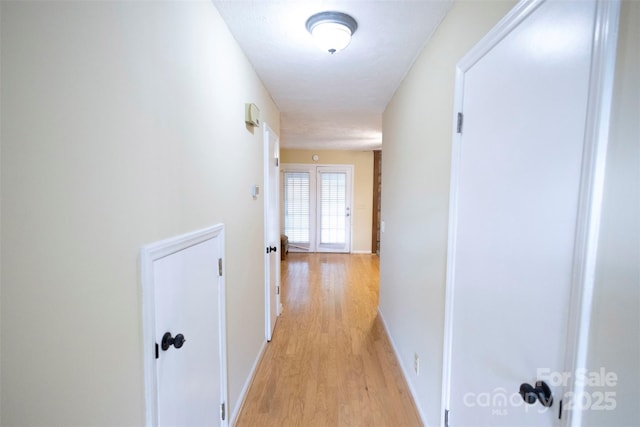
{"points": [[517, 176]]}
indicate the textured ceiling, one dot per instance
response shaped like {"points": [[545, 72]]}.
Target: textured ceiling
{"points": [[332, 101]]}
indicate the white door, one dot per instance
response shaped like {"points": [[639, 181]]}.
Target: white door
{"points": [[183, 292], [516, 192], [298, 207], [333, 209], [316, 210], [271, 229]]}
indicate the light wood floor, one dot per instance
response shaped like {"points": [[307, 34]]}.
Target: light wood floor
{"points": [[330, 362]]}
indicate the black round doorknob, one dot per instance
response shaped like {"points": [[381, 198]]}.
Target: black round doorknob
{"points": [[178, 341], [168, 341], [544, 394], [540, 392], [528, 393]]}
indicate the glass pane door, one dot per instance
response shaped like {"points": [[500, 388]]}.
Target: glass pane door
{"points": [[297, 209], [334, 216], [316, 207]]}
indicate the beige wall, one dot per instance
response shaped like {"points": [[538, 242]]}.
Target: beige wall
{"points": [[362, 186], [415, 197], [614, 341], [122, 124]]}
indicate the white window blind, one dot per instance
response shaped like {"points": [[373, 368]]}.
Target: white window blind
{"points": [[297, 207], [333, 206]]}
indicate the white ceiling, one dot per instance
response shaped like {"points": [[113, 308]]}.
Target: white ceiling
{"points": [[332, 101]]}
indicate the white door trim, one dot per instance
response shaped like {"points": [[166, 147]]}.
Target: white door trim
{"points": [[591, 190], [267, 195], [149, 254]]}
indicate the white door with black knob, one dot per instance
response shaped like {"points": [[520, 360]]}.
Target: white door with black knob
{"points": [[271, 229], [524, 184], [183, 289]]}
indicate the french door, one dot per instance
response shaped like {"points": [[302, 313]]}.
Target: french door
{"points": [[316, 208], [333, 195]]}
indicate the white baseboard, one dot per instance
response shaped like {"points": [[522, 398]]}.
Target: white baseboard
{"points": [[361, 252], [404, 371], [245, 388]]}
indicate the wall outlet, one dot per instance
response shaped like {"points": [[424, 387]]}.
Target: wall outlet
{"points": [[416, 363]]}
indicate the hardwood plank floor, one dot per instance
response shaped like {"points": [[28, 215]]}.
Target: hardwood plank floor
{"points": [[330, 362]]}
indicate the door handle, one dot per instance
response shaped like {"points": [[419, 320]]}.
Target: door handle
{"points": [[272, 249], [540, 392], [168, 341]]}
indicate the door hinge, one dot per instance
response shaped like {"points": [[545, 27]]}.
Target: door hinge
{"points": [[157, 352], [460, 120], [277, 162], [220, 267], [223, 412], [277, 290], [446, 418]]}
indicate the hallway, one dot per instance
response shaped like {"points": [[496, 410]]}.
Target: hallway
{"points": [[330, 362]]}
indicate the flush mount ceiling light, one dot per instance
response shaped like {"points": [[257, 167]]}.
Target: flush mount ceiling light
{"points": [[331, 31]]}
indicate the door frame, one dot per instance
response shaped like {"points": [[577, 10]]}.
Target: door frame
{"points": [[590, 192], [312, 169], [269, 188], [148, 255]]}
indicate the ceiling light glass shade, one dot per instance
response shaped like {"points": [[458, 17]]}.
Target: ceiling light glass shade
{"points": [[331, 31]]}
